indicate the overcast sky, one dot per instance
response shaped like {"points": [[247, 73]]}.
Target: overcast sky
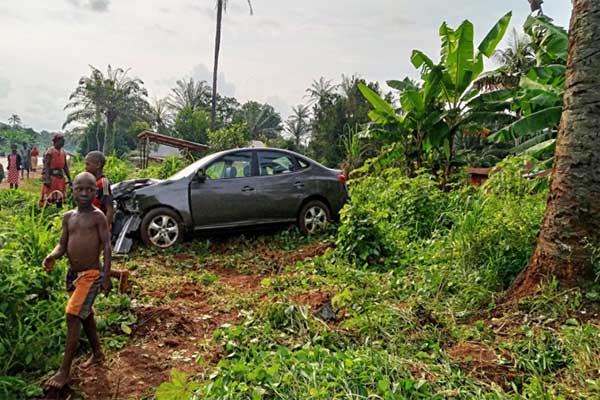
{"points": [[272, 56]]}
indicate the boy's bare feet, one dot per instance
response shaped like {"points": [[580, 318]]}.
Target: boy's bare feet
{"points": [[95, 359], [59, 380]]}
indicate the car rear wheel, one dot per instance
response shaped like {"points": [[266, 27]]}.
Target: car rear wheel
{"points": [[161, 228], [314, 217]]}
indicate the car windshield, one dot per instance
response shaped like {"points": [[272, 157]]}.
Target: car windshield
{"points": [[192, 168]]}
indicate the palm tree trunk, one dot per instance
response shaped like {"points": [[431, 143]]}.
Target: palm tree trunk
{"points": [[98, 132], [216, 66], [105, 145], [109, 136], [572, 216]]}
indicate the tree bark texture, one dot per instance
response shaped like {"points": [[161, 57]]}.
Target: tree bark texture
{"points": [[213, 112], [572, 216]]}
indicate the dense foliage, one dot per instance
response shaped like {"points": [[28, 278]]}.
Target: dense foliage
{"points": [[412, 279], [33, 301]]}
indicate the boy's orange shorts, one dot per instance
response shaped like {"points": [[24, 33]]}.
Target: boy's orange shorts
{"points": [[87, 285]]}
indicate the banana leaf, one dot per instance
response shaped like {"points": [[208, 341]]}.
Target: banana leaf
{"points": [[532, 123], [492, 39]]}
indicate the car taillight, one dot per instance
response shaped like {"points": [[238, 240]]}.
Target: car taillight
{"points": [[342, 178]]}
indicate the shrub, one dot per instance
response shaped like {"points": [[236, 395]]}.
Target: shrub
{"points": [[32, 306], [388, 212], [116, 169], [495, 230]]}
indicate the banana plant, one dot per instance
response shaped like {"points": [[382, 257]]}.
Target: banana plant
{"points": [[459, 67], [538, 101], [418, 125]]}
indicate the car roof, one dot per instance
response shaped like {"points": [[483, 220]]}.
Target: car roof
{"points": [[262, 149], [265, 149]]}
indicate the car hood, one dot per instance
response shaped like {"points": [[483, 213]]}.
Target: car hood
{"points": [[126, 189]]}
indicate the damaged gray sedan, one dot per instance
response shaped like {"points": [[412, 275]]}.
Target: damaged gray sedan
{"points": [[231, 189]]}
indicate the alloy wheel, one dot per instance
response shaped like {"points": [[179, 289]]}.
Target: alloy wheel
{"points": [[315, 219], [163, 231]]}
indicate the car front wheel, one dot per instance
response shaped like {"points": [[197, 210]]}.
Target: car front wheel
{"points": [[314, 217], [161, 228]]}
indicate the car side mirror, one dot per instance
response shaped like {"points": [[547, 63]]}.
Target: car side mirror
{"points": [[201, 175]]}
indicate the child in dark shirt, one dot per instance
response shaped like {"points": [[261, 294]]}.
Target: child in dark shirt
{"points": [[94, 164]]}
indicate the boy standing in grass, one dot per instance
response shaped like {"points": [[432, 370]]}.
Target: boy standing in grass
{"points": [[94, 164], [84, 236]]}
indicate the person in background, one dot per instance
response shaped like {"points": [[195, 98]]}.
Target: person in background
{"points": [[34, 158], [1, 172], [14, 166], [54, 189], [94, 164], [25, 160]]}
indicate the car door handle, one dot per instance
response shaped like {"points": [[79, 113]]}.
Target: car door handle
{"points": [[247, 189], [299, 185]]}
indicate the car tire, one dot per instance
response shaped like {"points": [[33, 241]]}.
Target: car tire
{"points": [[314, 217], [161, 228]]}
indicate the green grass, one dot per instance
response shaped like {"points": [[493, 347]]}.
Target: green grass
{"points": [[413, 276]]}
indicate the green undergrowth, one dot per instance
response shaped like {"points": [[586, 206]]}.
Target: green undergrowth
{"points": [[32, 302], [404, 306]]}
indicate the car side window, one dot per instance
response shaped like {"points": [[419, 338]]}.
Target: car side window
{"points": [[236, 165], [303, 164], [274, 163]]}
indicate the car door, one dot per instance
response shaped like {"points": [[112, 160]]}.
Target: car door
{"points": [[227, 195], [280, 185]]}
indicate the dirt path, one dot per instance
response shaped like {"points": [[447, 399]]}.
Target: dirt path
{"points": [[32, 174], [179, 317]]}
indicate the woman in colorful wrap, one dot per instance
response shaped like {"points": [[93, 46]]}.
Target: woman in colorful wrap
{"points": [[54, 189], [14, 166]]}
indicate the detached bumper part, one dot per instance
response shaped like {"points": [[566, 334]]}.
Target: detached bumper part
{"points": [[122, 243]]}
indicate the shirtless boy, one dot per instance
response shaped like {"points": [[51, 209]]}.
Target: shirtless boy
{"points": [[84, 236]]}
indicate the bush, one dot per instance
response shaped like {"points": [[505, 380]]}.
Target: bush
{"points": [[236, 135], [116, 169], [496, 228], [32, 306], [387, 213], [468, 242]]}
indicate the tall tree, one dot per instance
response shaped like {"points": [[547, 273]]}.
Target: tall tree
{"points": [[160, 115], [189, 93], [262, 120], [572, 220], [110, 97], [321, 89], [221, 7], [298, 125], [14, 121]]}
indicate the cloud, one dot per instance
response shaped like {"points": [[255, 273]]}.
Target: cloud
{"points": [[94, 5], [164, 29], [201, 73], [4, 88], [280, 105]]}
